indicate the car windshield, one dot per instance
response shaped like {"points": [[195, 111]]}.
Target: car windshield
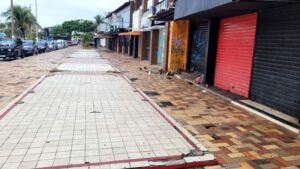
{"points": [[6, 42], [27, 42], [41, 43]]}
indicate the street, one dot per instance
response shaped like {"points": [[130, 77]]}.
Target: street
{"points": [[84, 113]]}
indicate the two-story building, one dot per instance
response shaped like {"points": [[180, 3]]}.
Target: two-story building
{"points": [[116, 22], [148, 34]]}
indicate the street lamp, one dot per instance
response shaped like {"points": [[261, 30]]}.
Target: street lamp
{"points": [[12, 18], [37, 33]]}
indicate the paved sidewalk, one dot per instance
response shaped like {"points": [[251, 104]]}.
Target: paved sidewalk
{"points": [[83, 120], [17, 75], [238, 138]]}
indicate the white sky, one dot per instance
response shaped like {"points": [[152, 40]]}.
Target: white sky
{"points": [[53, 12]]}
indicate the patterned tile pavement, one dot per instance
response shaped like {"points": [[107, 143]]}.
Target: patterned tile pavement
{"points": [[74, 119], [237, 138], [84, 118]]}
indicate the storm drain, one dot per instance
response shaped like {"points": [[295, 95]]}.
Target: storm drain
{"points": [[151, 93], [133, 79], [165, 104]]}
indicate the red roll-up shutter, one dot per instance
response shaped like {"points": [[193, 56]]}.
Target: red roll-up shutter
{"points": [[235, 53]]}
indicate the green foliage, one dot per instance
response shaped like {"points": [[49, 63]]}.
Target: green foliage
{"points": [[78, 26], [24, 20], [99, 19], [58, 31], [85, 38]]}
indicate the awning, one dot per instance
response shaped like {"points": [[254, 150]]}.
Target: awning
{"points": [[130, 33]]}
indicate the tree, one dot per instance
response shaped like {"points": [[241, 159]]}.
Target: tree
{"points": [[99, 19], [58, 31], [78, 26], [24, 19], [86, 38]]}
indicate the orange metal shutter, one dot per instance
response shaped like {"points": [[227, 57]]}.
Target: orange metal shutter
{"points": [[235, 53]]}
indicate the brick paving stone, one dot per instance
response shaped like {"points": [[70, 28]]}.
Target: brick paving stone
{"points": [[235, 136]]}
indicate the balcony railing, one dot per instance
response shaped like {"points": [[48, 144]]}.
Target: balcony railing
{"points": [[145, 19], [163, 5]]}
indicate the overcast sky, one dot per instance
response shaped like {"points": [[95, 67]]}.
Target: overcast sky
{"points": [[53, 12]]}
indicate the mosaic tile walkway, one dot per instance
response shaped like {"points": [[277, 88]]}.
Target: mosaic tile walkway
{"points": [[236, 137]]}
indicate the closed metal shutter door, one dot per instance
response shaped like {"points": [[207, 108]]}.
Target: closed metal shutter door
{"points": [[276, 70], [199, 38], [235, 53]]}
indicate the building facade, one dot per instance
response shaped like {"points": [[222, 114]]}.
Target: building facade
{"points": [[249, 49]]}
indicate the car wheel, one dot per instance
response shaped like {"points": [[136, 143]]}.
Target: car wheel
{"points": [[23, 55], [15, 55]]}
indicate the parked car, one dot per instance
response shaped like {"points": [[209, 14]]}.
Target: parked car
{"points": [[51, 45], [30, 47], [2, 35], [43, 46], [60, 44], [11, 48], [55, 45], [65, 44], [70, 43], [75, 43]]}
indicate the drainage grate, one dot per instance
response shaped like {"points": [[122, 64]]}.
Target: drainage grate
{"points": [[20, 102], [165, 104], [151, 93], [133, 79], [209, 126], [55, 70]]}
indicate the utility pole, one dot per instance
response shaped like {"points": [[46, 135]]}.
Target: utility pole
{"points": [[12, 18], [36, 18]]}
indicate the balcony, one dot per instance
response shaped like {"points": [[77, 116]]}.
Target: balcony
{"points": [[161, 6], [146, 22], [203, 9]]}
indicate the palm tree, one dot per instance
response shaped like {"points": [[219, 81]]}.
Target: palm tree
{"points": [[23, 18], [99, 19]]}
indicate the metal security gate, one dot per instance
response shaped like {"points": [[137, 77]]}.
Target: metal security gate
{"points": [[235, 53], [276, 70], [161, 44], [199, 44], [148, 40]]}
